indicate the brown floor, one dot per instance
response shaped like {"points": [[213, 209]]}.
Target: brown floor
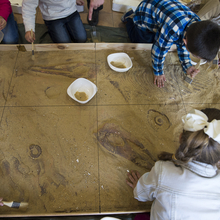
{"points": [[107, 17]]}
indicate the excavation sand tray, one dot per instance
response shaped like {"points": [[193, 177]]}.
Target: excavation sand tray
{"points": [[69, 159]]}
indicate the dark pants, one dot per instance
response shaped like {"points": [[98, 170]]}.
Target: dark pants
{"points": [[66, 30], [98, 9], [136, 35], [10, 31]]}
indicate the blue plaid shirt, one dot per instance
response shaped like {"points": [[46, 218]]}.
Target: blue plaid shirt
{"points": [[169, 20]]}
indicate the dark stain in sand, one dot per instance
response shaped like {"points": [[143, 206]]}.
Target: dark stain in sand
{"points": [[120, 142], [71, 70], [158, 120], [35, 151]]}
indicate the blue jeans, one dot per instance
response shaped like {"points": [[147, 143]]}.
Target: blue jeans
{"points": [[66, 30], [10, 31], [136, 35]]}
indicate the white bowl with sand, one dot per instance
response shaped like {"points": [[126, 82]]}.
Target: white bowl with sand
{"points": [[195, 60], [82, 90], [119, 62]]}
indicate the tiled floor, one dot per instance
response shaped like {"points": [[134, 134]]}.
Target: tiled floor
{"points": [[107, 17]]}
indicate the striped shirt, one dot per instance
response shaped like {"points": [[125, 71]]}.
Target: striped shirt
{"points": [[169, 20]]}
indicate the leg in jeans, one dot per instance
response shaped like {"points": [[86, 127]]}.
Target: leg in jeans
{"points": [[10, 31], [57, 31], [75, 28], [66, 29], [136, 35]]}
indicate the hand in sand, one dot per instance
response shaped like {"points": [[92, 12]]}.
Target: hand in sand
{"points": [[192, 71], [159, 80], [134, 176], [28, 36], [3, 23], [94, 4]]}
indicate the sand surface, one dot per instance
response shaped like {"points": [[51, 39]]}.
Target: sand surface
{"points": [[64, 157]]}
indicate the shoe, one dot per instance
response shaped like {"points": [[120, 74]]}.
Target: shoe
{"points": [[127, 14], [95, 18]]}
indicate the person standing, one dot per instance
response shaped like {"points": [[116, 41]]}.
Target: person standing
{"points": [[60, 16]]}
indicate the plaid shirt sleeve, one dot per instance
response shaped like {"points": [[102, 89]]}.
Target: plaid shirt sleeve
{"points": [[168, 20], [184, 59], [158, 53]]}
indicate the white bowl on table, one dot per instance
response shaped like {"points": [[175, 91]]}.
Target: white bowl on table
{"points": [[195, 60], [82, 85], [119, 58]]}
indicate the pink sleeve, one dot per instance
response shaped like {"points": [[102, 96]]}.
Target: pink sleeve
{"points": [[5, 9]]}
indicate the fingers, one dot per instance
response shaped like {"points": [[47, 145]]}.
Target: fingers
{"points": [[133, 176], [90, 12], [194, 73], [130, 176], [138, 175], [130, 184], [1, 204], [28, 36]]}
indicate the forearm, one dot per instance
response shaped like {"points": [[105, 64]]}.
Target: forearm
{"points": [[184, 59], [28, 14]]}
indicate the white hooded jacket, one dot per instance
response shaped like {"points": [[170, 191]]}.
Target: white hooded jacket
{"points": [[50, 10], [191, 191]]}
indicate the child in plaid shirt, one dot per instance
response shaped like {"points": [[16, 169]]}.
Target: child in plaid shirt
{"points": [[168, 22]]}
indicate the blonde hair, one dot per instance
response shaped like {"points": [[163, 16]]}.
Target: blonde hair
{"points": [[196, 145]]}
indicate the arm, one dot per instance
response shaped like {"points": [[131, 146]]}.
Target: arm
{"points": [[94, 4], [5, 9], [159, 51], [28, 15], [185, 61], [145, 186]]}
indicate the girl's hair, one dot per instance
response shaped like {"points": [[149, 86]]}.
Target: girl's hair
{"points": [[197, 145], [203, 39]]}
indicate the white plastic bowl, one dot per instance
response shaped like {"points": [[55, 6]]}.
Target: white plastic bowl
{"points": [[195, 60], [82, 85], [122, 58]]}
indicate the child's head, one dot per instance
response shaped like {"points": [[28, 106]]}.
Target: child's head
{"points": [[200, 140], [203, 39]]}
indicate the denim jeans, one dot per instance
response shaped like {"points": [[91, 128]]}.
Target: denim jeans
{"points": [[10, 31], [66, 30], [136, 35]]}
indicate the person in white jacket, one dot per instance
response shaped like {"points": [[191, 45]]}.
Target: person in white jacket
{"points": [[60, 16], [185, 185]]}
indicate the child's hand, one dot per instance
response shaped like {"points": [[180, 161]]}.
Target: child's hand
{"points": [[3, 23], [192, 71], [134, 176], [159, 80], [28, 36], [79, 2], [94, 4]]}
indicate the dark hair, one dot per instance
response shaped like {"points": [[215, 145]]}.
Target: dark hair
{"points": [[203, 39], [197, 145]]}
